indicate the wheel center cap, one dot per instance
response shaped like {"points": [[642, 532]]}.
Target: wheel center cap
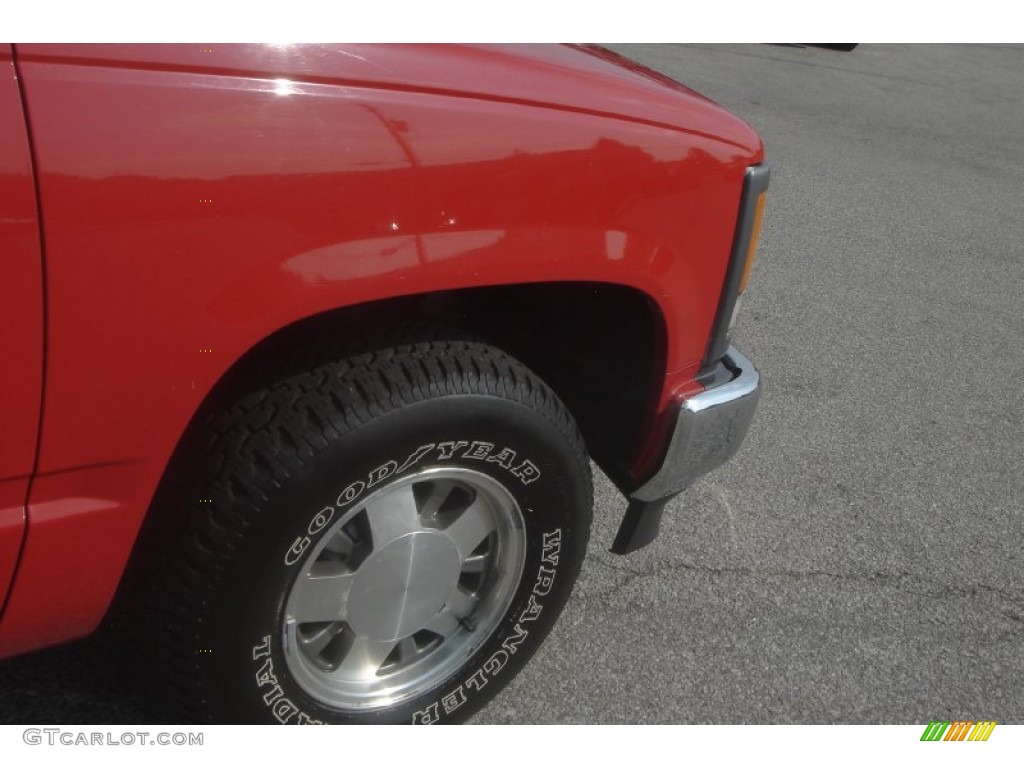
{"points": [[403, 585]]}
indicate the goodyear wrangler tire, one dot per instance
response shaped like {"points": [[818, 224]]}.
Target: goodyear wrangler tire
{"points": [[382, 540]]}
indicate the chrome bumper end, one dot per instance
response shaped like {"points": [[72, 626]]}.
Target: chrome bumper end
{"points": [[709, 430]]}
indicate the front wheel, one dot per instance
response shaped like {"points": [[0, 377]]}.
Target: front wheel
{"points": [[382, 540]]}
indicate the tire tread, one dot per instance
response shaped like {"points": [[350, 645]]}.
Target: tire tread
{"points": [[255, 445]]}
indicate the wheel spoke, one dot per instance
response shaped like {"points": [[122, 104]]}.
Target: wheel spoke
{"points": [[364, 658], [458, 607], [475, 564], [460, 602], [406, 650], [313, 643], [440, 490], [321, 597], [339, 546], [445, 623], [470, 528], [393, 515]]}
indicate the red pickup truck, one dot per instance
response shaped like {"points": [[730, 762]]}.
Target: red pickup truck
{"points": [[307, 350]]}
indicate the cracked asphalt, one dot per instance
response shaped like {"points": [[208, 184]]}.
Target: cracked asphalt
{"points": [[859, 561]]}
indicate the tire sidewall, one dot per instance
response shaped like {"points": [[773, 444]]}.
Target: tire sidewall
{"points": [[243, 671]]}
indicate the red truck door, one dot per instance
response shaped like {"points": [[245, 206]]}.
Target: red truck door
{"points": [[21, 319]]}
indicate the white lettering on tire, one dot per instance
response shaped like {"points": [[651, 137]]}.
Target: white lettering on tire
{"points": [[550, 550], [280, 706], [476, 450], [284, 710]]}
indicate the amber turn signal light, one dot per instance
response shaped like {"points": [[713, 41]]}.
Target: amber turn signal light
{"points": [[755, 233]]}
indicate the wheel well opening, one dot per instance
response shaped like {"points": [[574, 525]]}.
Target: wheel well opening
{"points": [[600, 346]]}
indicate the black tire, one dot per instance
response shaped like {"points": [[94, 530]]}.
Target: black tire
{"points": [[361, 437]]}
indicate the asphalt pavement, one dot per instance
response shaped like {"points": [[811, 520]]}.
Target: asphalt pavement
{"points": [[859, 561]]}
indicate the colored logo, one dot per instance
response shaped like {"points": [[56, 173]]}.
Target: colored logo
{"points": [[958, 730]]}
